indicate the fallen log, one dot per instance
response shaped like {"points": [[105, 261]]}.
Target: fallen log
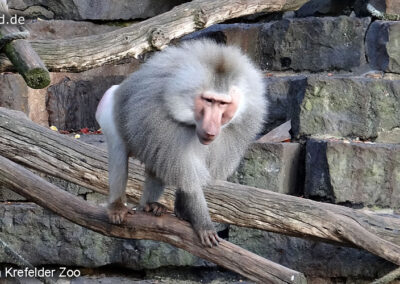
{"points": [[20, 52], [84, 53], [43, 150], [140, 225]]}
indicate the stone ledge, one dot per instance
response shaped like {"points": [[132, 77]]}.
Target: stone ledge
{"points": [[44, 238], [346, 107], [315, 259], [383, 46], [272, 166], [313, 44], [104, 10], [336, 105], [361, 174], [309, 44], [65, 29]]}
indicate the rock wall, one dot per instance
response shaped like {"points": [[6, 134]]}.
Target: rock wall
{"points": [[332, 69], [102, 10]]}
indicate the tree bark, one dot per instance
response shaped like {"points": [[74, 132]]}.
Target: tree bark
{"points": [[27, 63], [140, 225], [84, 53], [388, 278], [48, 152]]}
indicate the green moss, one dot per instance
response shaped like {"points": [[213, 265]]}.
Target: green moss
{"points": [[391, 17], [37, 78], [308, 105]]}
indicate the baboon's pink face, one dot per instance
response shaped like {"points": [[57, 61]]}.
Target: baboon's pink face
{"points": [[213, 110]]}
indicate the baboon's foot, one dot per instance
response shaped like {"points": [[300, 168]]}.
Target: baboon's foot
{"points": [[117, 212], [156, 208]]}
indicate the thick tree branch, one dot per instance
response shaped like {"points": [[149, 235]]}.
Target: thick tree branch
{"points": [[20, 52], [167, 228], [48, 152], [388, 278], [155, 33]]}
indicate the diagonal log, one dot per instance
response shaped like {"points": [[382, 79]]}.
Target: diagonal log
{"points": [[167, 228], [84, 53], [43, 150]]}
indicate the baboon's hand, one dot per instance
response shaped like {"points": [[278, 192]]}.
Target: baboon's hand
{"points": [[209, 238]]}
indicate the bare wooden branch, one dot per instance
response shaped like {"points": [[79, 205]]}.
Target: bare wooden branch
{"points": [[388, 278], [155, 33], [167, 228], [48, 152], [21, 54]]}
